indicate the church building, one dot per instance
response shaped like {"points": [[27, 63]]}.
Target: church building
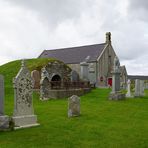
{"points": [[100, 58]]}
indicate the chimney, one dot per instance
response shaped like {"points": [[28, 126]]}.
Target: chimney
{"points": [[108, 37]]}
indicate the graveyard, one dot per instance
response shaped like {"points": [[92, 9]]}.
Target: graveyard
{"points": [[102, 122]]}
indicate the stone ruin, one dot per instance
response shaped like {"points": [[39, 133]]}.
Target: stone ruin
{"points": [[58, 81], [23, 105]]}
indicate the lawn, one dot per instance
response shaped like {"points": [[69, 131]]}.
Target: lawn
{"points": [[102, 124]]}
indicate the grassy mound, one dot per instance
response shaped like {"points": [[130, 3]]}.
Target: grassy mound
{"points": [[10, 69]]}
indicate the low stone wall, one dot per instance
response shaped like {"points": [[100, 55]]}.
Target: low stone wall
{"points": [[58, 94]]}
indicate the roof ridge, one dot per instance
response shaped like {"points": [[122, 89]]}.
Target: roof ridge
{"points": [[73, 47]]}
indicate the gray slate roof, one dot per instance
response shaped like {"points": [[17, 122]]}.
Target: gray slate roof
{"points": [[74, 55], [140, 77]]}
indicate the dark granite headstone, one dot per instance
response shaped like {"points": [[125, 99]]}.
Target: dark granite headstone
{"points": [[74, 76]]}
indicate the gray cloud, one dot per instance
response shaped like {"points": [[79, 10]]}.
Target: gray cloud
{"points": [[136, 4], [54, 11], [138, 9], [29, 26]]}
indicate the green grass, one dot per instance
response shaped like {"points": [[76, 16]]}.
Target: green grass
{"points": [[102, 124]]}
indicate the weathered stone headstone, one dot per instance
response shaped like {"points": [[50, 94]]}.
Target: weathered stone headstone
{"points": [[146, 85], [35, 74], [92, 74], [23, 110], [139, 88], [45, 85], [142, 88], [74, 76], [128, 94], [73, 106], [116, 93], [84, 71], [4, 120]]}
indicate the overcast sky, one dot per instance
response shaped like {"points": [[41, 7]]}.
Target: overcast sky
{"points": [[27, 27]]}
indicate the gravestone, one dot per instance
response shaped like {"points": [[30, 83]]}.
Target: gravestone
{"points": [[35, 74], [73, 106], [23, 116], [92, 74], [128, 94], [84, 71], [45, 85], [146, 85], [74, 76], [139, 88], [4, 120], [116, 94]]}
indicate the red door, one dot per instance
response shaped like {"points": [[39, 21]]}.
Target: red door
{"points": [[110, 81]]}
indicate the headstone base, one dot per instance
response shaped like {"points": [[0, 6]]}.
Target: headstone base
{"points": [[129, 96], [138, 95], [25, 121], [71, 114], [4, 122], [117, 96]]}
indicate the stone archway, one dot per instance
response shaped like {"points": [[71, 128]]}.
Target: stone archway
{"points": [[56, 78], [56, 81]]}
